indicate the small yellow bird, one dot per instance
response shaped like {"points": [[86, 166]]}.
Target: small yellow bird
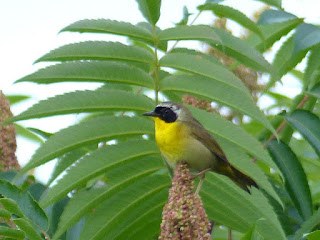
{"points": [[180, 137]]}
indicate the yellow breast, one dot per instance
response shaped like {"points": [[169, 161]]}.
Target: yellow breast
{"points": [[171, 138], [176, 144]]}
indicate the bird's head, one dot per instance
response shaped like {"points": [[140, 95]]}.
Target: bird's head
{"points": [[170, 112]]}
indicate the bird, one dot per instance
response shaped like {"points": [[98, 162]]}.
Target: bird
{"points": [[182, 138]]}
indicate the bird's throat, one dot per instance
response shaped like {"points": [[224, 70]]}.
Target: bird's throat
{"points": [[170, 138]]}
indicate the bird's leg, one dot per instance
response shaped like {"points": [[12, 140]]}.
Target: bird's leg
{"points": [[202, 175]]}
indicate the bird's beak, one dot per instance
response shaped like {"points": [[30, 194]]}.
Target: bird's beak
{"points": [[151, 114]]}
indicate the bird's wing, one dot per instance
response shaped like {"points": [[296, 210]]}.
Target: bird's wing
{"points": [[202, 135]]}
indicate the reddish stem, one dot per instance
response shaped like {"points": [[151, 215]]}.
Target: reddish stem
{"points": [[283, 124]]}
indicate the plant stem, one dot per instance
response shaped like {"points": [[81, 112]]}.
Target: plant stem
{"points": [[192, 22], [46, 236], [284, 122], [196, 17], [279, 129], [229, 234], [156, 69], [303, 101]]}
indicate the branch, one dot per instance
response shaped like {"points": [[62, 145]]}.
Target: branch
{"points": [[284, 122]]}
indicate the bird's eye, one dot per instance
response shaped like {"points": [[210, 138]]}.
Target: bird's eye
{"points": [[168, 115]]}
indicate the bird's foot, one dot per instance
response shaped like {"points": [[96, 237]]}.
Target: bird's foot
{"points": [[202, 176]]}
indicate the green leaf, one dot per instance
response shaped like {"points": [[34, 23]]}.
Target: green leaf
{"points": [[87, 101], [312, 70], [85, 133], [220, 233], [4, 214], [306, 37], [109, 26], [144, 224], [214, 1], [272, 33], [234, 134], [235, 15], [297, 74], [90, 72], [315, 91], [197, 64], [11, 206], [116, 86], [274, 16], [281, 100], [196, 54], [255, 231], [185, 17], [194, 32], [139, 32], [218, 38], [314, 235], [29, 230], [11, 233], [152, 232], [74, 232], [229, 205], [307, 124], [150, 9], [162, 45], [97, 163], [275, 3], [120, 174], [26, 203], [295, 179], [54, 214], [142, 195], [307, 226], [26, 133], [242, 161], [39, 132], [66, 161], [98, 50], [36, 190], [242, 51], [288, 214], [13, 99], [285, 60], [311, 165], [264, 134], [215, 91]]}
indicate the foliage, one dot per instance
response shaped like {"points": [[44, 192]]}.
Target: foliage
{"points": [[113, 183]]}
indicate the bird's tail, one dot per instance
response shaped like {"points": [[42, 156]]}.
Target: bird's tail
{"points": [[241, 179]]}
